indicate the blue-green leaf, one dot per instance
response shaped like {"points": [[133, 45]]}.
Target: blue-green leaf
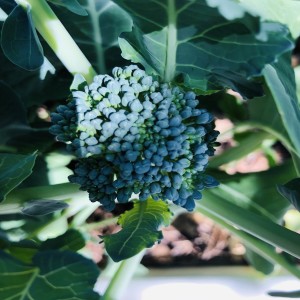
{"points": [[42, 207], [260, 263], [292, 294], [139, 229], [174, 38], [14, 168], [264, 114], [272, 11], [291, 191], [97, 34], [14, 120], [20, 42], [281, 81], [52, 275], [7, 5], [71, 5]]}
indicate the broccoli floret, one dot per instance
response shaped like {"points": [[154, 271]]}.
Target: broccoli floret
{"points": [[133, 135]]}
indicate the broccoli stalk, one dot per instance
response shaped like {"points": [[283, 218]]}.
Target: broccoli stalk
{"points": [[58, 38]]}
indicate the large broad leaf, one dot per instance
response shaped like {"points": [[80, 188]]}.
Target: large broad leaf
{"points": [[291, 191], [71, 5], [140, 229], [97, 34], [52, 275], [19, 40], [14, 119], [30, 87], [15, 130], [210, 48], [281, 81], [283, 11], [8, 5], [14, 168], [42, 207], [264, 114]]}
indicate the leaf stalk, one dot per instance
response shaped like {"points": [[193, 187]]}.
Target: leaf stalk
{"points": [[170, 68], [60, 41], [122, 277]]}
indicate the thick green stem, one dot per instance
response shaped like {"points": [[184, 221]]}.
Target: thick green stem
{"points": [[253, 243], [57, 191], [58, 38], [122, 277], [80, 218], [170, 68], [97, 36]]}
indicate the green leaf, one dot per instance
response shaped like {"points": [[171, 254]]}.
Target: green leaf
{"points": [[23, 250], [42, 207], [260, 263], [291, 191], [7, 5], [174, 38], [252, 223], [254, 191], [272, 10], [71, 240], [29, 86], [71, 5], [139, 229], [52, 275], [97, 34], [15, 131], [293, 294], [260, 247], [281, 81], [14, 168], [13, 119], [20, 42], [264, 114]]}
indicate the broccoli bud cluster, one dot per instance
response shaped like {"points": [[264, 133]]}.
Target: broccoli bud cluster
{"points": [[133, 135]]}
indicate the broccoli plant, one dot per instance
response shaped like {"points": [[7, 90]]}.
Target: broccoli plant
{"points": [[126, 96]]}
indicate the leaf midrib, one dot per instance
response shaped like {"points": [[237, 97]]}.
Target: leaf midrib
{"points": [[141, 212], [97, 35], [170, 67], [29, 283]]}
